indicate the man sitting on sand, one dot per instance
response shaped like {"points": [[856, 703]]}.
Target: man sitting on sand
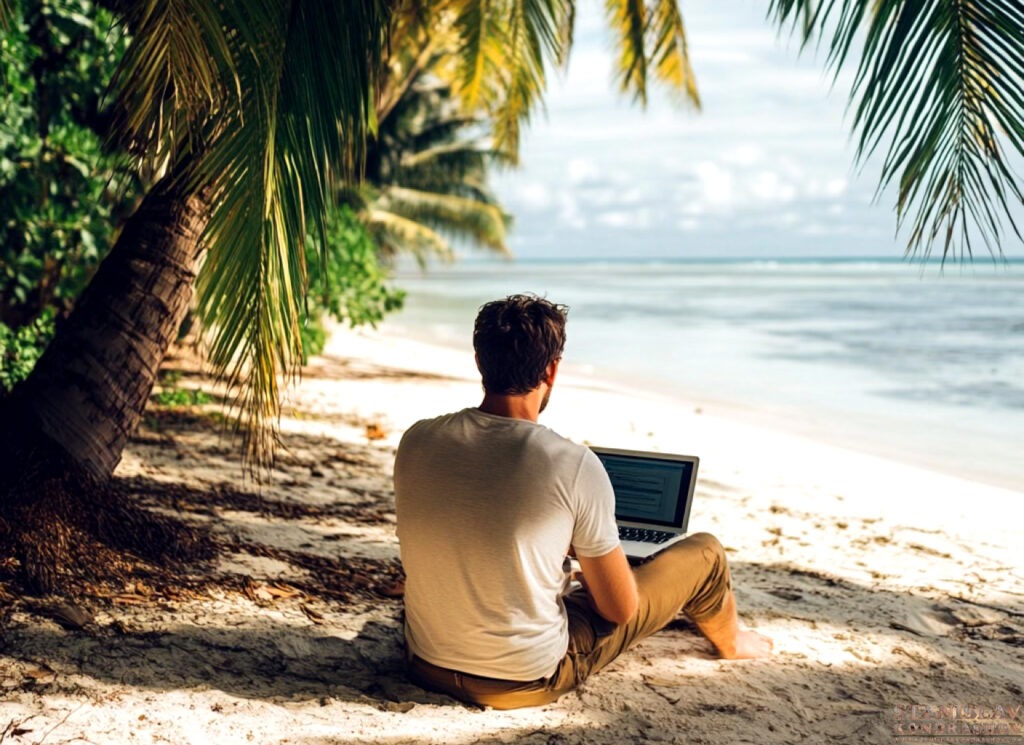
{"points": [[490, 503]]}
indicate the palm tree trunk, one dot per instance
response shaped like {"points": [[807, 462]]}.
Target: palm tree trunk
{"points": [[88, 391], [63, 430]]}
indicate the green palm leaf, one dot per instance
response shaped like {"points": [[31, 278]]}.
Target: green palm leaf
{"points": [[478, 25], [272, 165], [505, 46], [477, 221], [174, 74], [628, 20], [394, 234], [670, 52], [652, 44], [940, 88]]}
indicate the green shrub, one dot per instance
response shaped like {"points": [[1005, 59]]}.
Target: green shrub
{"points": [[182, 397], [20, 348], [62, 194], [346, 280], [314, 337]]}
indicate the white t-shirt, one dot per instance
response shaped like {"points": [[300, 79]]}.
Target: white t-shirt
{"points": [[487, 509]]}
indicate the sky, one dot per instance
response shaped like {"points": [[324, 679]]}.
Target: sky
{"points": [[766, 169]]}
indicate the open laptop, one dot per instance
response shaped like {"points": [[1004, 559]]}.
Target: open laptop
{"points": [[653, 495]]}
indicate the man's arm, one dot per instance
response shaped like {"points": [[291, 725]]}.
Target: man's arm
{"points": [[609, 581]]}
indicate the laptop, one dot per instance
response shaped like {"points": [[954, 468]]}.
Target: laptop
{"points": [[653, 495]]}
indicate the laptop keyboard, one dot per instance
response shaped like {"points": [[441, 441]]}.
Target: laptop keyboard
{"points": [[645, 535]]}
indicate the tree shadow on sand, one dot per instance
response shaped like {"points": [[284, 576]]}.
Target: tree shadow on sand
{"points": [[279, 655], [311, 620]]}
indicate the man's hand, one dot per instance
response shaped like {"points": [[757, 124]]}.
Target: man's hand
{"points": [[609, 582]]}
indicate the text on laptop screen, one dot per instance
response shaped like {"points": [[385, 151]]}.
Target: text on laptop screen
{"points": [[648, 490]]}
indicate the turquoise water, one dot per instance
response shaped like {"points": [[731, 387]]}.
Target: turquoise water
{"points": [[914, 362]]}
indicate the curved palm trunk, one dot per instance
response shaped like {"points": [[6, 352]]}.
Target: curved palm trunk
{"points": [[62, 431], [89, 389]]}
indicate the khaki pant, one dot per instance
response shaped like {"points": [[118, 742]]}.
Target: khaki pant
{"points": [[691, 576]]}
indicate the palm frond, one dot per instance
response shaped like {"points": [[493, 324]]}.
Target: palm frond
{"points": [[271, 167], [670, 52], [479, 28], [460, 155], [477, 221], [940, 87], [628, 20], [535, 33], [395, 234], [505, 46], [652, 46], [176, 71]]}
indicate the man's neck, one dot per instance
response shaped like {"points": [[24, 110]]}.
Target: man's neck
{"points": [[526, 406]]}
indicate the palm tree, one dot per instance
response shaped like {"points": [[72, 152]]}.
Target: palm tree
{"points": [[940, 87], [246, 116], [426, 178]]}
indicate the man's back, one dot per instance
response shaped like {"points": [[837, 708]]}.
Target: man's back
{"points": [[487, 509]]}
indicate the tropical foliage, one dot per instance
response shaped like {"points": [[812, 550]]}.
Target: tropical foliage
{"points": [[244, 119], [940, 88], [21, 348], [253, 117], [61, 194], [346, 280], [426, 177]]}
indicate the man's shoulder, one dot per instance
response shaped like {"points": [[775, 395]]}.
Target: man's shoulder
{"points": [[437, 421]]}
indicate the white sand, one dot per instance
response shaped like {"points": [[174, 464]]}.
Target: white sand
{"points": [[882, 585]]}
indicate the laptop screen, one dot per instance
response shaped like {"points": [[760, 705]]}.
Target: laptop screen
{"points": [[650, 487]]}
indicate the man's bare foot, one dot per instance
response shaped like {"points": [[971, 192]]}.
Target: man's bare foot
{"points": [[723, 630], [749, 645]]}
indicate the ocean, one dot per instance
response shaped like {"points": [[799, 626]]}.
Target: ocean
{"points": [[905, 360]]}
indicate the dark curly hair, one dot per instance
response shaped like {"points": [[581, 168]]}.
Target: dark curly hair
{"points": [[515, 340]]}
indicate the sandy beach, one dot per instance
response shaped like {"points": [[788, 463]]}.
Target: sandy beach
{"points": [[895, 595]]}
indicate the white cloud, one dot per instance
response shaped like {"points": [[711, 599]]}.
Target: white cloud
{"points": [[768, 186], [581, 170], [716, 183], [532, 195], [768, 156], [836, 187], [569, 212], [745, 155]]}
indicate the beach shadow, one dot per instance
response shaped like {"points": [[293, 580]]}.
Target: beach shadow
{"points": [[272, 662], [278, 656]]}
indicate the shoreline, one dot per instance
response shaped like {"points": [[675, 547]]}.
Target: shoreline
{"points": [[734, 450], [783, 418]]}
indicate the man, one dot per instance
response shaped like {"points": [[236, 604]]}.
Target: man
{"points": [[489, 505]]}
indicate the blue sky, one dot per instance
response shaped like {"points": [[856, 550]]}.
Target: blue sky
{"points": [[766, 169]]}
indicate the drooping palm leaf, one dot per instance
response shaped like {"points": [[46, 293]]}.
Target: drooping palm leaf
{"points": [[505, 47], [271, 167], [458, 168], [940, 88], [477, 221], [670, 52], [394, 233], [652, 46], [628, 21], [428, 162], [174, 74], [479, 26]]}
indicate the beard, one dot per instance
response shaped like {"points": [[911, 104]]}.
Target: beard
{"points": [[547, 397]]}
